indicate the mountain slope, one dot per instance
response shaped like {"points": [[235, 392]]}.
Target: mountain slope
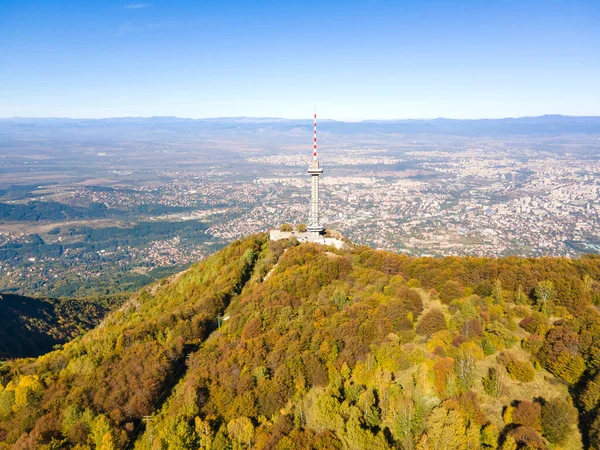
{"points": [[117, 373], [32, 326], [335, 349]]}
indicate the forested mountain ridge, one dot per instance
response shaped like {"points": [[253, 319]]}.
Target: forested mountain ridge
{"points": [[356, 349], [32, 326]]}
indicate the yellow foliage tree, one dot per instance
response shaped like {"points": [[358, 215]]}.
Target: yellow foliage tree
{"points": [[241, 430], [27, 392], [204, 432], [489, 436], [507, 415], [108, 442], [99, 431], [509, 443], [448, 429]]}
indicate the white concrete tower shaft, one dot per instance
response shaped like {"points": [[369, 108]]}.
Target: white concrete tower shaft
{"points": [[314, 171]]}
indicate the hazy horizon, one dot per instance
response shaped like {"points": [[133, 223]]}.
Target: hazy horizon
{"points": [[308, 117]]}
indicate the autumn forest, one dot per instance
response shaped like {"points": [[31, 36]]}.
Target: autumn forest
{"points": [[275, 345]]}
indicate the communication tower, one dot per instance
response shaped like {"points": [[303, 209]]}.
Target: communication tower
{"points": [[314, 171]]}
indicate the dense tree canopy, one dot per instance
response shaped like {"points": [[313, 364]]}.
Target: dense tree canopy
{"points": [[274, 345]]}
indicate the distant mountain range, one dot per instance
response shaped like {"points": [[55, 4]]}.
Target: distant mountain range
{"points": [[542, 125]]}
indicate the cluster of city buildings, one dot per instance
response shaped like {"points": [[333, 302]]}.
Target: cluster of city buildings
{"points": [[487, 200]]}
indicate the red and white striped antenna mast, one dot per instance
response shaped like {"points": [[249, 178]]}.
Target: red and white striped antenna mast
{"points": [[315, 137], [314, 171]]}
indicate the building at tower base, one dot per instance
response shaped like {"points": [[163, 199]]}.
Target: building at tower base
{"points": [[317, 237]]}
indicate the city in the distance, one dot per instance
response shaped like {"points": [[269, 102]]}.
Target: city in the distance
{"points": [[134, 199]]}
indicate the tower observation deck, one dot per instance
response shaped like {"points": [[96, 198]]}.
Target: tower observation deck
{"points": [[314, 171]]}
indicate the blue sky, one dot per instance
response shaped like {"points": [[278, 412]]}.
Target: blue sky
{"points": [[355, 59]]}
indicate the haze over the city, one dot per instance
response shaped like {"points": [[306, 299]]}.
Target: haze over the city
{"points": [[355, 59]]}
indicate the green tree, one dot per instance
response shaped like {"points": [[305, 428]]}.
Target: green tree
{"points": [[321, 411], [179, 435], [558, 416], [301, 228], [591, 394], [286, 227], [341, 299], [594, 433], [588, 284], [497, 291], [520, 296], [356, 437], [493, 384]]}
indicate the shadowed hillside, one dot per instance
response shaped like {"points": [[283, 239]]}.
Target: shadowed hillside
{"points": [[356, 349], [33, 326]]}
